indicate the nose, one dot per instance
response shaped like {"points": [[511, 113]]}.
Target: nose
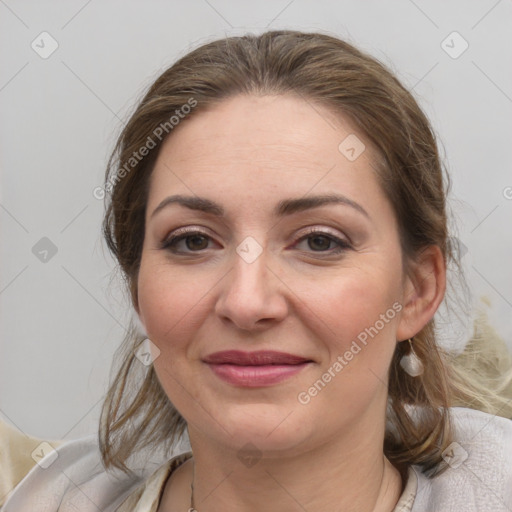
{"points": [[252, 296]]}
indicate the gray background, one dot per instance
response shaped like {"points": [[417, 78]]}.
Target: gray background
{"points": [[61, 319]]}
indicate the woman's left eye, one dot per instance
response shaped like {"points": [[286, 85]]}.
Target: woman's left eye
{"points": [[320, 241]]}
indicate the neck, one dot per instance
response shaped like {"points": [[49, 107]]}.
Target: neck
{"points": [[360, 479]]}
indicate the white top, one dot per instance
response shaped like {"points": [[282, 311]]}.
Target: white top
{"points": [[71, 478]]}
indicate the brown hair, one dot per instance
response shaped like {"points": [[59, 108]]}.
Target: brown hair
{"points": [[323, 69]]}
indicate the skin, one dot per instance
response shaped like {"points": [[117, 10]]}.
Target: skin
{"points": [[247, 154]]}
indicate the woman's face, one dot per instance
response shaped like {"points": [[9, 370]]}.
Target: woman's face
{"points": [[246, 274]]}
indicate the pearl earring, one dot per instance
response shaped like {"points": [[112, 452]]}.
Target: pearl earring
{"points": [[411, 363]]}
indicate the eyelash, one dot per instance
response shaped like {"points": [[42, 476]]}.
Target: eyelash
{"points": [[170, 243]]}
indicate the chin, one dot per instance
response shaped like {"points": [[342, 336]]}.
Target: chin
{"points": [[270, 428]]}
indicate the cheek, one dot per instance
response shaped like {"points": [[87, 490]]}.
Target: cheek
{"points": [[362, 307], [169, 302], [355, 320]]}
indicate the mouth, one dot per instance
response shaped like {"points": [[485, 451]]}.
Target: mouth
{"points": [[259, 358], [255, 369]]}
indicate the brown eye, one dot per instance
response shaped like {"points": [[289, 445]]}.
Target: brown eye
{"points": [[322, 242], [319, 242], [195, 241]]}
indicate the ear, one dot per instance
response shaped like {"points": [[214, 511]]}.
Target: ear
{"points": [[424, 289]]}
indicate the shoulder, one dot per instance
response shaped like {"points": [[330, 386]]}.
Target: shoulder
{"points": [[64, 474], [479, 473], [19, 453], [148, 496]]}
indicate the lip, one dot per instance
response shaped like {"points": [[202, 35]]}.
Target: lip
{"points": [[255, 369], [258, 358]]}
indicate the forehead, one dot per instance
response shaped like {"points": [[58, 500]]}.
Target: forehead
{"points": [[263, 145], [261, 125]]}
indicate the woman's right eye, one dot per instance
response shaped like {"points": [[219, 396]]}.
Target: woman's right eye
{"points": [[194, 241]]}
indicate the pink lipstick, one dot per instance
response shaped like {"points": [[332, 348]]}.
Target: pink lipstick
{"points": [[255, 369]]}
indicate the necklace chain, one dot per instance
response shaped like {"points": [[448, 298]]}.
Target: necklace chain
{"points": [[192, 506]]}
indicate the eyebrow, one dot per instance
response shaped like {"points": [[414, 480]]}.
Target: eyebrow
{"points": [[283, 208]]}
